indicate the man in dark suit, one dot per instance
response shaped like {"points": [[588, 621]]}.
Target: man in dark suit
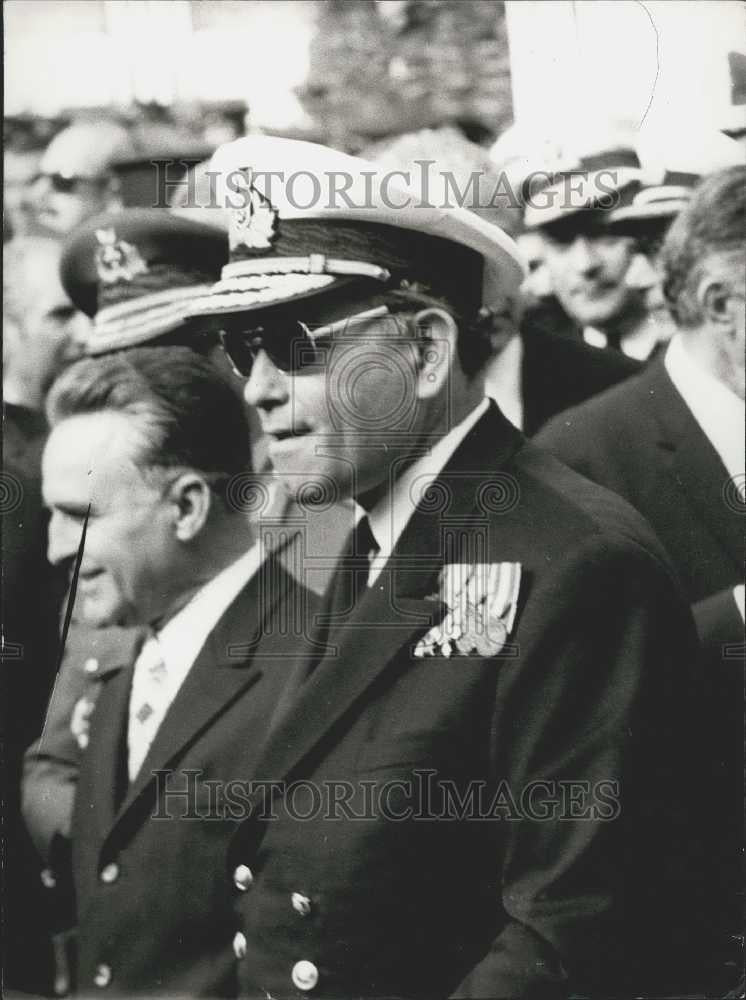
{"points": [[539, 372], [671, 442], [471, 786], [136, 474]]}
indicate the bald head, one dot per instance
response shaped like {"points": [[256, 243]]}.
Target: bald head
{"points": [[42, 329], [75, 174]]}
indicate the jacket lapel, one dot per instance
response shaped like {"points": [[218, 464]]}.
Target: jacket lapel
{"points": [[395, 611], [109, 726], [223, 670], [693, 461]]}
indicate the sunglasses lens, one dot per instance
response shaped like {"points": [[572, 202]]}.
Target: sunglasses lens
{"points": [[291, 347], [288, 345], [240, 349], [63, 185]]}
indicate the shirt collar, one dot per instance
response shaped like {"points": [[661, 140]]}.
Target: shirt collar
{"points": [[638, 344], [716, 408], [502, 380], [390, 515]]}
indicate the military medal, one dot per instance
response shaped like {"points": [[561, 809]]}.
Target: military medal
{"points": [[481, 602]]}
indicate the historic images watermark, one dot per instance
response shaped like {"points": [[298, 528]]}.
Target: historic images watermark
{"points": [[422, 796], [398, 190]]}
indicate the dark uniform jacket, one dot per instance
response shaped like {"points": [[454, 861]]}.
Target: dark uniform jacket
{"points": [[642, 441], [558, 372], [30, 597], [150, 858], [502, 824]]}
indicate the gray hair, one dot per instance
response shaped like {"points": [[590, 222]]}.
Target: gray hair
{"points": [[711, 226]]}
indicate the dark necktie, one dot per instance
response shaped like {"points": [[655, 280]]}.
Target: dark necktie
{"points": [[351, 578]]}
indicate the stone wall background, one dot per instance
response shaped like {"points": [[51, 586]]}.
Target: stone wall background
{"points": [[379, 69]]}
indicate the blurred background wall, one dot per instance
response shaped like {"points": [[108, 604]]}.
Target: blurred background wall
{"points": [[343, 69]]}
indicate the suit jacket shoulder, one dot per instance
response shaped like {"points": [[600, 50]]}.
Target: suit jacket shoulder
{"points": [[559, 372], [641, 440]]}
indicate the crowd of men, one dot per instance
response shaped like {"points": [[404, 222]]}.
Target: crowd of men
{"points": [[374, 584]]}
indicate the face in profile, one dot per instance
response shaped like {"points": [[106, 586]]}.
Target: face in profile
{"points": [[43, 331], [127, 569], [587, 267], [344, 420]]}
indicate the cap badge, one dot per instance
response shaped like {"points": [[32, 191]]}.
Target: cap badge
{"points": [[254, 224], [117, 260]]}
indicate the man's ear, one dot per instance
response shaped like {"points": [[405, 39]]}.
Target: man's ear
{"points": [[192, 498], [715, 302], [437, 350]]}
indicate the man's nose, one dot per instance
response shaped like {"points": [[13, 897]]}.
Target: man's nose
{"points": [[584, 255], [40, 189], [267, 385], [641, 273], [63, 537]]}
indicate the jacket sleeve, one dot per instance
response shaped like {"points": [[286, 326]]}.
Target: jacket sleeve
{"points": [[50, 768], [591, 732]]}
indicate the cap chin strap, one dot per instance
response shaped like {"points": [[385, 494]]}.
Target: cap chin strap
{"points": [[315, 263]]}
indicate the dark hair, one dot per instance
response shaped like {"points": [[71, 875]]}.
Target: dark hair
{"points": [[189, 413], [712, 224]]}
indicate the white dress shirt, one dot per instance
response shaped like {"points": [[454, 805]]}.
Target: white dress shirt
{"points": [[638, 344], [716, 408], [502, 380], [167, 656], [390, 515]]}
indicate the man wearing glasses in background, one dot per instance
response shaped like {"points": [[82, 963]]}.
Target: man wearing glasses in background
{"points": [[497, 630], [75, 179]]}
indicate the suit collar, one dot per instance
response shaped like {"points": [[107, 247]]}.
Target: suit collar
{"points": [[223, 670], [691, 458], [395, 612], [389, 517]]}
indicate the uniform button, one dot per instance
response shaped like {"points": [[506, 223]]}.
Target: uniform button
{"points": [[305, 975], [47, 878], [91, 665], [301, 904], [103, 976], [243, 876], [239, 945], [110, 873]]}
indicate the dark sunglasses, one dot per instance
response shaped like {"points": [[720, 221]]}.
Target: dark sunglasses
{"points": [[291, 345], [66, 183]]}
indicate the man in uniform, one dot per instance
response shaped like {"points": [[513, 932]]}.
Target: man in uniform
{"points": [[470, 785]]}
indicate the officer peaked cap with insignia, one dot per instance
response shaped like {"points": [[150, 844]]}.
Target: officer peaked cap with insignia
{"points": [[305, 219], [135, 272]]}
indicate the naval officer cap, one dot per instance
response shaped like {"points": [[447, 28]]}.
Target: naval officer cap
{"points": [[136, 271], [305, 220]]}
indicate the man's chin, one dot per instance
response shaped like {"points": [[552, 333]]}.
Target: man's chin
{"points": [[98, 614]]}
